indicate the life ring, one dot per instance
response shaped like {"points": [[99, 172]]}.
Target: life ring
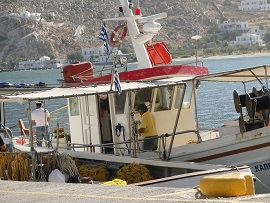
{"points": [[120, 38]]}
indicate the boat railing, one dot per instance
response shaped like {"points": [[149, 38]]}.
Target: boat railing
{"points": [[104, 69], [128, 143], [209, 129], [194, 62], [108, 69]]}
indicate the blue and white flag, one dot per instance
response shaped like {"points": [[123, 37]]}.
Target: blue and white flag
{"points": [[117, 80], [104, 36]]}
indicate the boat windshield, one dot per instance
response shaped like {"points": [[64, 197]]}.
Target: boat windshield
{"points": [[74, 106], [164, 98], [120, 101], [144, 96], [187, 97]]}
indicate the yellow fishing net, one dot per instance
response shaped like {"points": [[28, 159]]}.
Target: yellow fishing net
{"points": [[134, 173], [95, 172], [116, 182]]}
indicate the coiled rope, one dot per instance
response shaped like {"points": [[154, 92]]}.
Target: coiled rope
{"points": [[67, 165]]}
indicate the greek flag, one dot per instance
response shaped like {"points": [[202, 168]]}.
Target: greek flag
{"points": [[117, 81], [103, 36]]}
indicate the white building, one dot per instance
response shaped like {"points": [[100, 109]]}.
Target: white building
{"points": [[91, 53], [254, 5], [252, 34], [227, 27], [248, 39], [256, 30], [98, 55], [43, 63], [26, 14]]}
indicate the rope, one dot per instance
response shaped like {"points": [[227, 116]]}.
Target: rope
{"points": [[118, 48], [59, 109], [256, 178], [67, 165], [78, 74]]}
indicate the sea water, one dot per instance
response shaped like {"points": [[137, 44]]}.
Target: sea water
{"points": [[214, 101]]}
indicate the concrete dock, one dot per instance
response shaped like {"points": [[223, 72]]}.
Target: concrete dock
{"points": [[44, 192]]}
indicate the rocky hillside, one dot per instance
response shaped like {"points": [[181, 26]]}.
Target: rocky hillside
{"points": [[28, 39]]}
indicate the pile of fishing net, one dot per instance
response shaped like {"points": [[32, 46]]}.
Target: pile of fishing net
{"points": [[134, 173], [95, 172], [15, 166], [192, 141]]}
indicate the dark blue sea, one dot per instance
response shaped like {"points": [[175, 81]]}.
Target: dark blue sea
{"points": [[215, 100]]}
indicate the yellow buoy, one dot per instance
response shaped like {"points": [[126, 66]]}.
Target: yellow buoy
{"points": [[228, 185]]}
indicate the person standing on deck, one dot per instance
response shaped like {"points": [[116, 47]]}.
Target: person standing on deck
{"points": [[41, 118], [147, 128]]}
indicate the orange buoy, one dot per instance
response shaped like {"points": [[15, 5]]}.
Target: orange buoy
{"points": [[120, 38]]}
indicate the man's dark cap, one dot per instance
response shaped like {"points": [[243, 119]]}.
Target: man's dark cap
{"points": [[142, 107]]}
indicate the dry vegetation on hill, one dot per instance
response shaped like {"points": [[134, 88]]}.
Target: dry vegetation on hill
{"points": [[27, 39]]}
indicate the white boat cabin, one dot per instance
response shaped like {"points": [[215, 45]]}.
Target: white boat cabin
{"points": [[100, 119], [108, 117]]}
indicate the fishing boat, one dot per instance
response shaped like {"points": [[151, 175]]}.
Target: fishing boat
{"points": [[104, 123]]}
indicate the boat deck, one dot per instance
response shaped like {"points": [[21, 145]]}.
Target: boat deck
{"points": [[44, 192]]}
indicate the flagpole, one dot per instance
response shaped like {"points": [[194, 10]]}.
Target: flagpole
{"points": [[113, 70]]}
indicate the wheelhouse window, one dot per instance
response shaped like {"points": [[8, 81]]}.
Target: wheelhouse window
{"points": [[74, 106], [164, 98], [187, 96], [120, 101], [144, 96]]}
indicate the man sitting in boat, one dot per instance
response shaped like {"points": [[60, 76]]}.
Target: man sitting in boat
{"points": [[147, 128], [3, 146]]}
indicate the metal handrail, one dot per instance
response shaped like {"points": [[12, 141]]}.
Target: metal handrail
{"points": [[115, 145], [193, 63]]}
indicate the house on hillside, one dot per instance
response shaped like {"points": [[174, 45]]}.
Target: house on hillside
{"points": [[251, 34], [44, 62], [26, 14], [248, 39], [254, 5], [227, 27], [98, 55], [256, 30]]}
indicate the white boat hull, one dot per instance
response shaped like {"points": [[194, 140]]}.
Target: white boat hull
{"points": [[252, 148]]}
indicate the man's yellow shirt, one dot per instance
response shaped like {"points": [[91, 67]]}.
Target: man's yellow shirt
{"points": [[149, 123]]}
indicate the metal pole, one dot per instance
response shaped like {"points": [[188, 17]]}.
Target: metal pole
{"points": [[176, 122], [57, 140], [113, 69], [266, 78], [46, 127], [195, 104], [196, 37], [33, 151], [196, 52], [130, 130]]}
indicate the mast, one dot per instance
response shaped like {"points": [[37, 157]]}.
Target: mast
{"points": [[134, 33], [150, 27]]}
